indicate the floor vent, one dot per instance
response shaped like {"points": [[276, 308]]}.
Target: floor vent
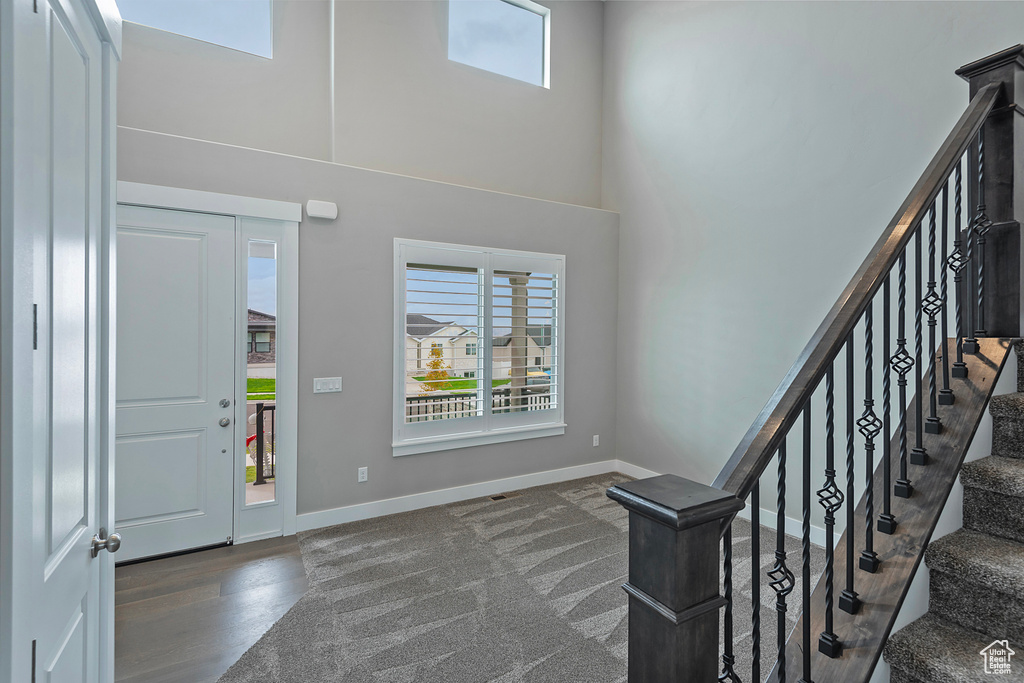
{"points": [[499, 497], [504, 496]]}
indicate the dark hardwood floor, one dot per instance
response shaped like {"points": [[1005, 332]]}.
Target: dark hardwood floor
{"points": [[186, 619]]}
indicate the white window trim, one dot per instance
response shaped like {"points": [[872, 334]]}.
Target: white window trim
{"points": [[486, 428], [545, 14]]}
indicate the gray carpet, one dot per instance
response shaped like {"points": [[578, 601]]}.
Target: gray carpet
{"points": [[522, 589]]}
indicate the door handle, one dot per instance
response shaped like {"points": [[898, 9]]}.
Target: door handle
{"points": [[102, 542], [224, 421]]}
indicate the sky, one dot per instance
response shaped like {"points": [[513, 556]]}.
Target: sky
{"points": [[448, 296], [263, 285], [240, 24], [498, 37]]}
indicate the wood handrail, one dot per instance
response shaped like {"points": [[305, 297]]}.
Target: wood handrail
{"points": [[762, 440]]}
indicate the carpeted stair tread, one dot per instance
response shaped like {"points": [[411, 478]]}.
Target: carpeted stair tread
{"points": [[987, 560], [1008, 425], [930, 649], [1001, 475], [1007, 405], [977, 581]]}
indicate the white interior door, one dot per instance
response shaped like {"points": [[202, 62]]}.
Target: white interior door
{"points": [[57, 178], [175, 380]]}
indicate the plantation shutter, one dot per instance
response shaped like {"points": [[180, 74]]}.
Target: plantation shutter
{"points": [[444, 308], [478, 346]]}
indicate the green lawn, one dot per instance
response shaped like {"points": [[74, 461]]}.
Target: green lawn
{"points": [[250, 474], [261, 389], [462, 384]]}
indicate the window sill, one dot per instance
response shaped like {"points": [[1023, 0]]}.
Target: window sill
{"points": [[452, 441]]}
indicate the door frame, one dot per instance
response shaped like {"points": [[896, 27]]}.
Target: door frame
{"points": [[23, 219], [254, 217]]}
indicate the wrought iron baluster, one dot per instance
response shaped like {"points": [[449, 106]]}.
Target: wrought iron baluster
{"points": [[946, 397], [782, 579], [919, 455], [970, 344], [805, 547], [957, 262], [848, 599], [932, 305], [868, 425], [728, 658], [831, 499], [755, 583], [886, 520], [981, 226], [902, 363]]}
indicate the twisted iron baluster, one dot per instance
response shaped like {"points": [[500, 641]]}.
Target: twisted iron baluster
{"points": [[755, 585], [981, 227], [886, 520], [946, 397], [782, 579], [848, 599], [902, 363], [957, 263], [805, 575], [932, 305], [869, 425], [728, 658], [970, 344], [831, 499], [918, 456]]}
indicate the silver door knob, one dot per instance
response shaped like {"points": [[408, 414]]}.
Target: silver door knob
{"points": [[225, 402], [102, 542], [224, 422]]}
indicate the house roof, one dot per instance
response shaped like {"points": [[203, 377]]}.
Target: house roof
{"points": [[259, 316], [420, 326], [258, 320], [541, 335]]}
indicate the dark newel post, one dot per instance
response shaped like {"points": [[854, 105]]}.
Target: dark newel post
{"points": [[675, 534], [1003, 201]]}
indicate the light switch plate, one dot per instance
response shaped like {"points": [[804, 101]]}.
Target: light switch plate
{"points": [[326, 385]]}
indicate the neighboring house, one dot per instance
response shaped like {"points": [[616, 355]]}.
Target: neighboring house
{"points": [[460, 350], [458, 346], [261, 338], [538, 350]]}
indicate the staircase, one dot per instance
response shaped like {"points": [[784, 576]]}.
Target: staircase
{"points": [[976, 592]]}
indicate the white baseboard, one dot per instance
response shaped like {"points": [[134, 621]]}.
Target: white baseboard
{"points": [[416, 501], [455, 494], [793, 526]]}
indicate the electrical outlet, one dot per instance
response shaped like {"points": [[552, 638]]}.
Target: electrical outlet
{"points": [[597, 440], [362, 474], [326, 385]]}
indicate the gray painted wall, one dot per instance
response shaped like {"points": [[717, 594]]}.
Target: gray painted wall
{"points": [[172, 84], [346, 308], [401, 106], [755, 151]]}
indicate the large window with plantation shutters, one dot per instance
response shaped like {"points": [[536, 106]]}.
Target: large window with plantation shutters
{"points": [[478, 346]]}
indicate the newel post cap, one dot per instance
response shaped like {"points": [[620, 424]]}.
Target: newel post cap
{"points": [[674, 501], [1001, 67]]}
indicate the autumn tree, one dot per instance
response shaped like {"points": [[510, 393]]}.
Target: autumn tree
{"points": [[437, 377]]}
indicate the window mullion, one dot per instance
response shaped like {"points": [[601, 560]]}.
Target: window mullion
{"points": [[487, 335]]}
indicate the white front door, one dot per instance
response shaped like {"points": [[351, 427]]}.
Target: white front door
{"points": [[56, 186], [175, 380]]}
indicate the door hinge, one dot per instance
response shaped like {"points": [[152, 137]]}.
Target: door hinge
{"points": [[35, 326], [33, 661], [35, 8]]}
